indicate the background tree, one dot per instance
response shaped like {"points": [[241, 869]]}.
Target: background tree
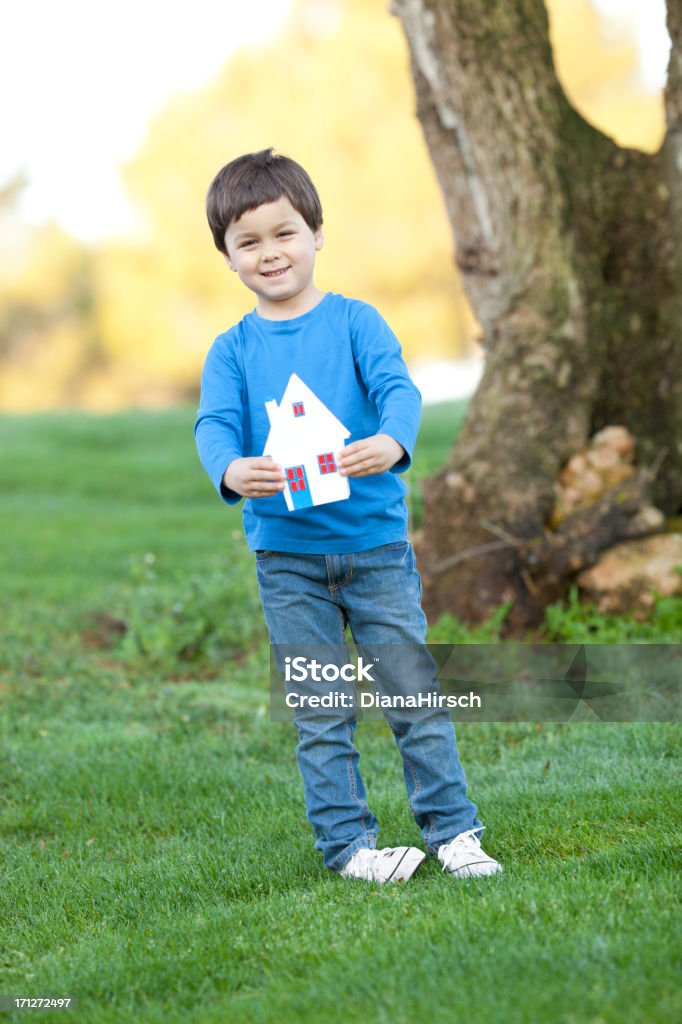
{"points": [[128, 319], [49, 344], [569, 249]]}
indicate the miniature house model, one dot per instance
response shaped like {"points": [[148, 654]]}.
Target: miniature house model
{"points": [[304, 439]]}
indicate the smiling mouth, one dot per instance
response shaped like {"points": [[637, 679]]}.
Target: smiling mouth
{"points": [[275, 273]]}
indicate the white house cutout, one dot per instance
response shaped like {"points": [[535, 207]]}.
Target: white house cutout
{"points": [[304, 439]]}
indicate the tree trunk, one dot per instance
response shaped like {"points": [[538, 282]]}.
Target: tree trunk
{"points": [[569, 249]]}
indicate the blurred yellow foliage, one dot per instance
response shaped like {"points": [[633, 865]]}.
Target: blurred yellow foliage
{"points": [[130, 321], [47, 344], [596, 62], [335, 93]]}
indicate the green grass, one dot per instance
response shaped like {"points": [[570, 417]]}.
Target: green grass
{"points": [[156, 861]]}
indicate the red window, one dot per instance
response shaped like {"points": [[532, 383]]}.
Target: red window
{"points": [[326, 463], [298, 409], [296, 479]]}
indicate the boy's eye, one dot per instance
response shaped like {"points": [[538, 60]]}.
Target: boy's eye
{"points": [[283, 234], [250, 241]]}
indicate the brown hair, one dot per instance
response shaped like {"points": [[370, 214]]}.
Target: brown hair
{"points": [[254, 179]]}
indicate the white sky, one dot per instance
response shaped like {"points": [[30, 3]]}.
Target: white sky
{"points": [[80, 80], [652, 36]]}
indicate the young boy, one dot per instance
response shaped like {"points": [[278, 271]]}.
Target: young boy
{"points": [[327, 554]]}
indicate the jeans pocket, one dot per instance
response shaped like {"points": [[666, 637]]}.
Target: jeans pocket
{"points": [[396, 545]]}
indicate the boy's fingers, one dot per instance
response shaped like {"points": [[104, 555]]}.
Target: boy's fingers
{"points": [[261, 480], [265, 463], [357, 459], [364, 469], [353, 450], [268, 472], [354, 458], [264, 492]]}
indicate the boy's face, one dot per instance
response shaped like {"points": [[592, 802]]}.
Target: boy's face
{"points": [[273, 251]]}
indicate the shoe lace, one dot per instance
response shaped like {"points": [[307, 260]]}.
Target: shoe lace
{"points": [[364, 863], [460, 843], [473, 833]]}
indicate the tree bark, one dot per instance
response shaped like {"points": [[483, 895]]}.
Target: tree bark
{"points": [[569, 249]]}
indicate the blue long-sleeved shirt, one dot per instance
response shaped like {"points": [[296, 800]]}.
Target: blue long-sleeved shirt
{"points": [[346, 353]]}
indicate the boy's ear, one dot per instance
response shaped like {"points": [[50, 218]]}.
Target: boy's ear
{"points": [[229, 261], [319, 239]]}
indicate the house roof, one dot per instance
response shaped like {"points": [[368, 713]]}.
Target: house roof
{"points": [[317, 423]]}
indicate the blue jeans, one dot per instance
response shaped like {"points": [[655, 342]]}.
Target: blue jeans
{"points": [[308, 600]]}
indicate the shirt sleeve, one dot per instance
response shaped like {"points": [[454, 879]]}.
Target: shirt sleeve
{"points": [[378, 357], [218, 430]]}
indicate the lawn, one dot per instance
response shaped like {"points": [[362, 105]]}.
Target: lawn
{"points": [[156, 861]]}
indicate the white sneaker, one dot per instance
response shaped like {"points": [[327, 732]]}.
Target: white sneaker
{"points": [[394, 864], [463, 857]]}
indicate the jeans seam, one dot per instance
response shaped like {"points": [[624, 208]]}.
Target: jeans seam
{"points": [[333, 587], [415, 778], [362, 804], [415, 793], [342, 627]]}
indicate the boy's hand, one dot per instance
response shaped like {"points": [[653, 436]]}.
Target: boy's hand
{"points": [[254, 478], [373, 454]]}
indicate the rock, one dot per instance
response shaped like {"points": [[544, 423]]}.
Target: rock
{"points": [[628, 575], [618, 438], [457, 482], [607, 461]]}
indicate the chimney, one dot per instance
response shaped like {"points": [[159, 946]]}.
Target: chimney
{"points": [[271, 408]]}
